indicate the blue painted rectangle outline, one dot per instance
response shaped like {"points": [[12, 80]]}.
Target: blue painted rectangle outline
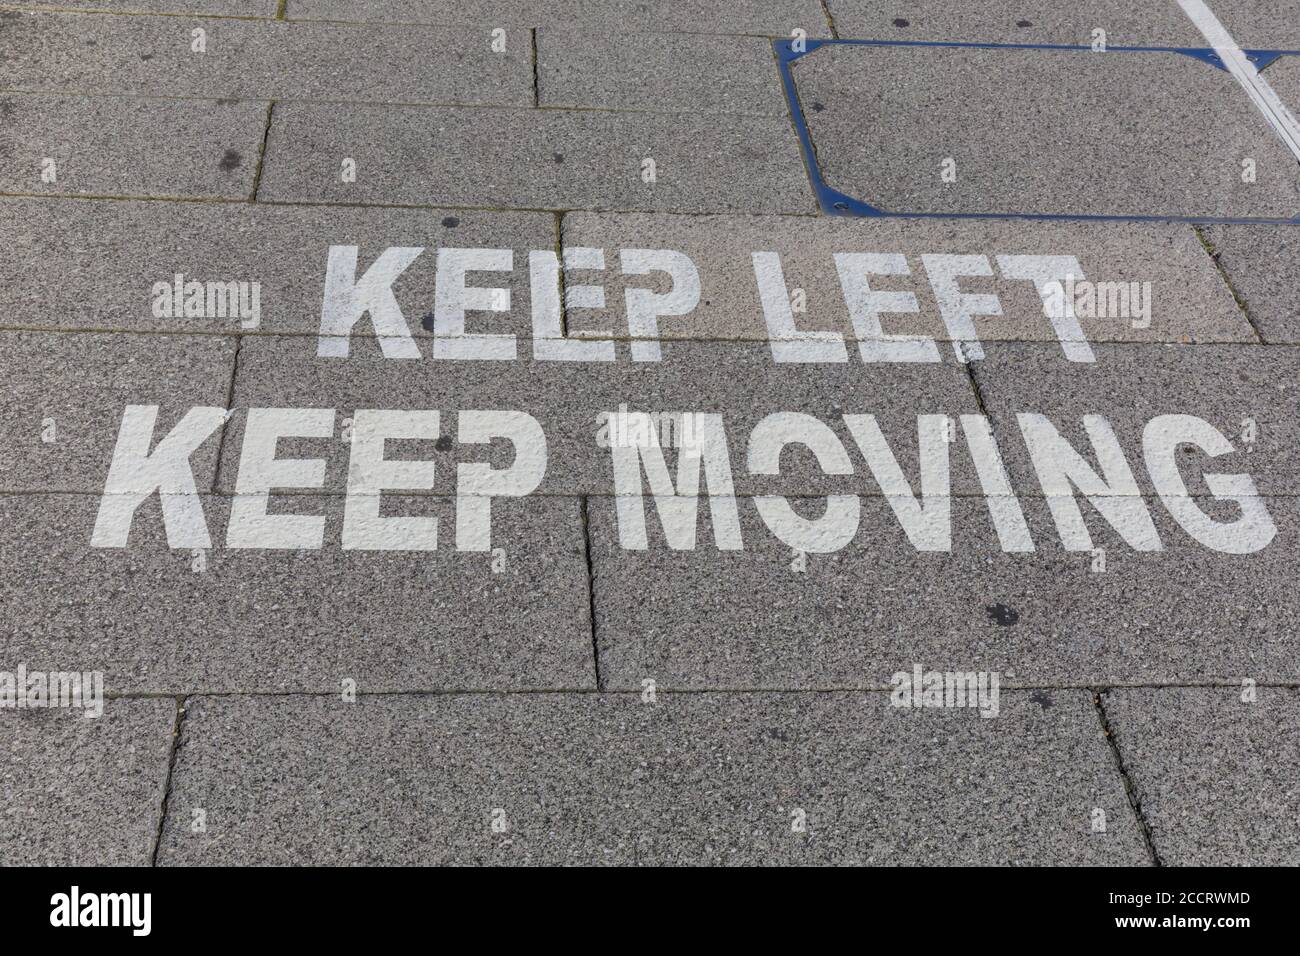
{"points": [[835, 203]]}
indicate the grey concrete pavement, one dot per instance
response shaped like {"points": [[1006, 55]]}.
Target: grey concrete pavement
{"points": [[65, 396], [162, 56], [1041, 131], [1263, 266], [719, 779], [1156, 23], [1227, 386], [84, 791], [105, 146], [1212, 768], [1258, 24], [226, 8], [1283, 75], [1261, 24], [759, 17], [1189, 301], [534, 159], [736, 381], [763, 618], [634, 71], [156, 619], [333, 631], [94, 266]]}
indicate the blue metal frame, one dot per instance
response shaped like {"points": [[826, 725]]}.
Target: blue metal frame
{"points": [[835, 203]]}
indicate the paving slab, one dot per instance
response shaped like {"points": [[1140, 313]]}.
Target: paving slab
{"points": [[1263, 265], [1041, 131], [689, 779], [154, 56], [1130, 385], [1156, 23], [83, 791], [162, 620], [739, 382], [90, 264], [97, 145], [1189, 300], [65, 396], [751, 619], [1260, 24], [597, 69], [1215, 775], [761, 17], [228, 8], [1283, 75], [535, 159], [94, 264]]}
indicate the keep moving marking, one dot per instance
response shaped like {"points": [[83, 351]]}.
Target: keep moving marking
{"points": [[143, 466]]}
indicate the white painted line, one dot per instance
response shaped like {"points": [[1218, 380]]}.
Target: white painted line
{"points": [[1256, 87]]}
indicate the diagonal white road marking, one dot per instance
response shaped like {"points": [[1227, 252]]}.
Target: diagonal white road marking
{"points": [[1256, 87]]}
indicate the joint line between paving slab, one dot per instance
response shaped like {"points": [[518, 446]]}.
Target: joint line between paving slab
{"points": [[591, 591], [225, 426], [391, 104], [975, 385], [294, 203], [559, 259], [178, 725], [453, 24], [830, 20], [609, 210], [375, 104], [674, 343], [261, 151], [995, 425], [537, 86], [303, 494], [84, 11], [1210, 251], [728, 691], [379, 204], [438, 24], [1130, 789]]}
